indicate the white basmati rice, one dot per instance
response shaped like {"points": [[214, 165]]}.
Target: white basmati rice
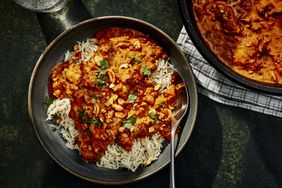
{"points": [[87, 49], [61, 108], [143, 152], [68, 56], [162, 75]]}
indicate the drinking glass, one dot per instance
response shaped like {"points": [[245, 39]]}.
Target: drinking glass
{"points": [[56, 16], [42, 5]]}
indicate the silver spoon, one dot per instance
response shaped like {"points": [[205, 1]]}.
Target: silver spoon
{"points": [[178, 112]]}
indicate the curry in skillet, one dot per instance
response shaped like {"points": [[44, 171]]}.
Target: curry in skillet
{"points": [[245, 34]]}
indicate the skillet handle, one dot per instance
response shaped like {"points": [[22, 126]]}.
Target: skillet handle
{"points": [[55, 23]]}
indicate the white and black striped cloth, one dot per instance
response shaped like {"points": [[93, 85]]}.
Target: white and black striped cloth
{"points": [[219, 88]]}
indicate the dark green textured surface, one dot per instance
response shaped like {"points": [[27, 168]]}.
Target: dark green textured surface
{"points": [[157, 12], [229, 147]]}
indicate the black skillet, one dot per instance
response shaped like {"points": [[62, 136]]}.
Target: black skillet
{"points": [[38, 90], [188, 18]]}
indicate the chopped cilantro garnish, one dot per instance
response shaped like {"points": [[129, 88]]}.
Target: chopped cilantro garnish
{"points": [[94, 96], [153, 115], [118, 142], [53, 129], [84, 118], [129, 122], [137, 59], [102, 80], [98, 123], [55, 118], [131, 98], [101, 76], [104, 64], [103, 72], [146, 70], [48, 101]]}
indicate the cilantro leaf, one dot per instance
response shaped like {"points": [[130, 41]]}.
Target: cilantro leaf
{"points": [[131, 98], [98, 123], [104, 64], [129, 122], [102, 80], [49, 100], [146, 70], [137, 59], [153, 115], [53, 129], [94, 96], [103, 72], [55, 119], [82, 116]]}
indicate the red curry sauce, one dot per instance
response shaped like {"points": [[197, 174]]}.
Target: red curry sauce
{"points": [[113, 89], [245, 34]]}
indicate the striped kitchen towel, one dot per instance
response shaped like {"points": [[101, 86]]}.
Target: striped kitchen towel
{"points": [[219, 88]]}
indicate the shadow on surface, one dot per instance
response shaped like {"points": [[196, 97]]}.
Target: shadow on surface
{"points": [[198, 163], [56, 176], [255, 167], [269, 138], [196, 166], [142, 9]]}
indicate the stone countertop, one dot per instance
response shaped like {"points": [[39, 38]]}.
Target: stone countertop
{"points": [[229, 147]]}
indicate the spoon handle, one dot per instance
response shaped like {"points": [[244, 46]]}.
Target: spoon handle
{"points": [[172, 155]]}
